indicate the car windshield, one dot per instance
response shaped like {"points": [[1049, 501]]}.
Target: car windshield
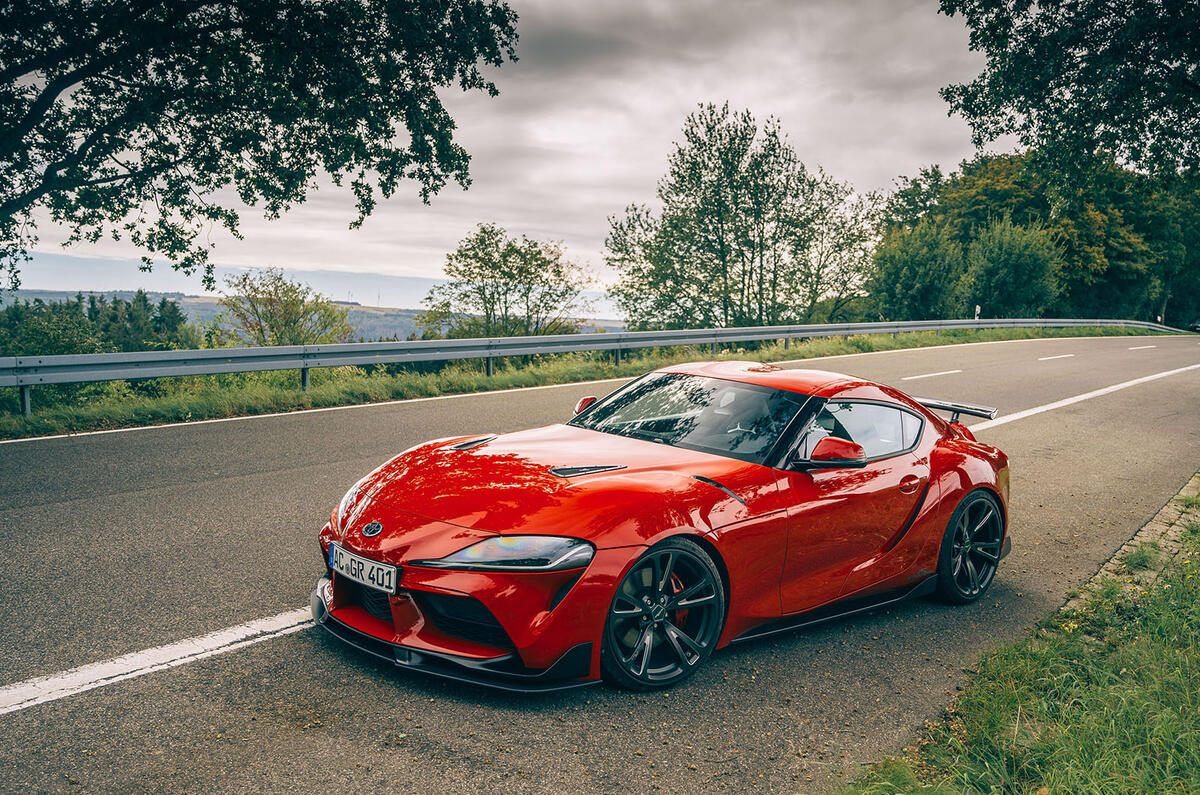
{"points": [[708, 414]]}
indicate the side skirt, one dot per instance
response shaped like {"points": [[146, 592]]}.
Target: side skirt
{"points": [[838, 609]]}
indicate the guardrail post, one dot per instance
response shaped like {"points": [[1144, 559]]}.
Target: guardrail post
{"points": [[26, 402], [787, 343], [617, 356], [304, 378], [488, 368]]}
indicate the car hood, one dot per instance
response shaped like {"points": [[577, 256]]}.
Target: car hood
{"points": [[561, 479]]}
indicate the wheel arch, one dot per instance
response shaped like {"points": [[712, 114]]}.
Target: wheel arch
{"points": [[722, 568], [947, 590], [993, 489]]}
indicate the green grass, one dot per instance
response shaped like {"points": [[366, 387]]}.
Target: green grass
{"points": [[1105, 699], [1142, 556], [119, 404]]}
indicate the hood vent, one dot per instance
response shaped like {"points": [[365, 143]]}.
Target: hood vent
{"points": [[467, 445], [572, 472]]}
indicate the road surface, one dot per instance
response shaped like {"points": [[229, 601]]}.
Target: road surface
{"points": [[120, 542]]}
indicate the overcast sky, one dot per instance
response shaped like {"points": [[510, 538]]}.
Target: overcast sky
{"points": [[585, 120]]}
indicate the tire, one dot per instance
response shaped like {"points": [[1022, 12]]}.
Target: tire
{"points": [[970, 550], [665, 617]]}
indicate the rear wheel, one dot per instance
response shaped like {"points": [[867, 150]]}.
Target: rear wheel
{"points": [[665, 617], [970, 549]]}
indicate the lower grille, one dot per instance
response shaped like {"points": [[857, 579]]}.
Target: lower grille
{"points": [[463, 617], [373, 601]]}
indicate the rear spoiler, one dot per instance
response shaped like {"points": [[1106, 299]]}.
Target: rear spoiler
{"points": [[955, 409]]}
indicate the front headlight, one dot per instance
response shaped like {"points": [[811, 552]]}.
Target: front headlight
{"points": [[347, 503], [518, 553]]}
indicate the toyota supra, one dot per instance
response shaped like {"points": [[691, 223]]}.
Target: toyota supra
{"points": [[697, 506]]}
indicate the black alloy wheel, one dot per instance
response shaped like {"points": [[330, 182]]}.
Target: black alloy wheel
{"points": [[665, 618], [970, 549]]}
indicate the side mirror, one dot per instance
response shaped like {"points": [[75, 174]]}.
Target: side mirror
{"points": [[584, 402], [831, 452]]}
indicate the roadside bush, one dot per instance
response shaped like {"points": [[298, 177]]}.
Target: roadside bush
{"points": [[1011, 270]]}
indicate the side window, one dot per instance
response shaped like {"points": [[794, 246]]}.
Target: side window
{"points": [[881, 430], [912, 428]]}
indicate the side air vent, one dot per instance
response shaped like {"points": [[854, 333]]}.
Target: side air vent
{"points": [[720, 486], [468, 444], [573, 472]]}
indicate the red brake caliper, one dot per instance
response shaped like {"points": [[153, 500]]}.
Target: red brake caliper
{"points": [[680, 616]]}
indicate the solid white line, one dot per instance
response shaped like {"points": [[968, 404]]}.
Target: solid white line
{"points": [[929, 375], [1058, 404], [88, 677], [1060, 356], [25, 694], [514, 389], [1142, 347]]}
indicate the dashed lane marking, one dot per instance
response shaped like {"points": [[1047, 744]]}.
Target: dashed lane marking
{"points": [[929, 375]]}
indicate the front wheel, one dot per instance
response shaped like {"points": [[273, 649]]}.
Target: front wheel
{"points": [[970, 549], [665, 617]]}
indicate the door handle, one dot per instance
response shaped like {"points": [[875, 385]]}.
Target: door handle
{"points": [[909, 484]]}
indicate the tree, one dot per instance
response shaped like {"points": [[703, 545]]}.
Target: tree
{"points": [[501, 286], [834, 265], [95, 326], [917, 273], [1011, 269], [139, 118], [1084, 81], [264, 308], [1179, 298], [914, 198], [735, 215], [1128, 244], [38, 328], [169, 319]]}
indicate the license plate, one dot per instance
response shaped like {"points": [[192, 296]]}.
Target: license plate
{"points": [[363, 570]]}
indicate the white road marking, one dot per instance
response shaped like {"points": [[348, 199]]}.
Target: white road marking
{"points": [[501, 391], [1142, 347], [88, 677], [929, 375], [1060, 356], [1058, 404], [40, 690]]}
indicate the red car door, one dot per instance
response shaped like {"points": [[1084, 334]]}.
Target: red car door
{"points": [[841, 518]]}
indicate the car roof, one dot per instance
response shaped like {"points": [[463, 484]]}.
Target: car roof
{"points": [[821, 383]]}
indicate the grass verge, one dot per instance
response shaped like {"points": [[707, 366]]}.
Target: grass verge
{"points": [[1101, 698], [118, 404]]}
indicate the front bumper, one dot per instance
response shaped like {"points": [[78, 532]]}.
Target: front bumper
{"points": [[503, 671]]}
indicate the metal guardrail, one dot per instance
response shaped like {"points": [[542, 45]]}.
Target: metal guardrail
{"points": [[25, 372]]}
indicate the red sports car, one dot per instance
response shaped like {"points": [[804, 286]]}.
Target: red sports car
{"points": [[697, 506]]}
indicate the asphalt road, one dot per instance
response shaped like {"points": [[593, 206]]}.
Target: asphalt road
{"points": [[119, 542]]}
